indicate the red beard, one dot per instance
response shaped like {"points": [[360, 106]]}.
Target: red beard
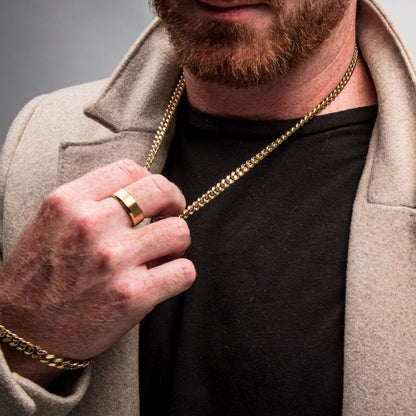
{"points": [[236, 54]]}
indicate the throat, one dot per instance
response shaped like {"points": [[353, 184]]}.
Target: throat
{"points": [[293, 94]]}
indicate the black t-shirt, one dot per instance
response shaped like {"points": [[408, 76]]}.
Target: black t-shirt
{"points": [[261, 330]]}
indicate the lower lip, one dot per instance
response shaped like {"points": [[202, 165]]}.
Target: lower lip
{"points": [[238, 13]]}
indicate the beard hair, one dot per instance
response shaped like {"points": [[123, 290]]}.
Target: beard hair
{"points": [[233, 54]]}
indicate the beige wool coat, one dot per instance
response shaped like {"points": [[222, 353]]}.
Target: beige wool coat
{"points": [[59, 136]]}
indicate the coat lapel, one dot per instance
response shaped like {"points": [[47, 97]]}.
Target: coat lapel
{"points": [[380, 331], [137, 95], [78, 158], [130, 108]]}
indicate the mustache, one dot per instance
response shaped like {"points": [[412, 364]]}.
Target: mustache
{"points": [[163, 7], [210, 33], [235, 3]]}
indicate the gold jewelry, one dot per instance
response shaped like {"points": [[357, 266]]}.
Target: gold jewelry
{"points": [[39, 353], [130, 205], [236, 174]]}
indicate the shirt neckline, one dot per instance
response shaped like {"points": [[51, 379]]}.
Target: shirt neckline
{"points": [[192, 118]]}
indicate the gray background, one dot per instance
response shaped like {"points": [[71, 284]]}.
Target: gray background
{"points": [[50, 44]]}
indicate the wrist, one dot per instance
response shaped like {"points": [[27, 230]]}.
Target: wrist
{"points": [[30, 369], [38, 353], [29, 360]]}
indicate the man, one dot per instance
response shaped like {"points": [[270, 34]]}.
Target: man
{"points": [[261, 331]]}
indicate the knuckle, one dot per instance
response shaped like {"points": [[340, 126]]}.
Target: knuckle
{"points": [[188, 272], [123, 295], [84, 227], [56, 201], [105, 259], [182, 230], [182, 277], [163, 185], [84, 222], [130, 168], [177, 230], [176, 278]]}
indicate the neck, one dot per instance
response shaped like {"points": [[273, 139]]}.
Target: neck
{"points": [[297, 92]]}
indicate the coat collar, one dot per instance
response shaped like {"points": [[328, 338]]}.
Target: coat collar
{"points": [[137, 94], [393, 148]]}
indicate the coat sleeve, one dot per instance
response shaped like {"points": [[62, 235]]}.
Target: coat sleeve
{"points": [[18, 395]]}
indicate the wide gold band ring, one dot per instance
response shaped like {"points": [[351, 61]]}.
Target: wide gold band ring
{"points": [[130, 206]]}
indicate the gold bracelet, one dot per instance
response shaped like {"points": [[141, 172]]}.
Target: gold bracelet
{"points": [[39, 353]]}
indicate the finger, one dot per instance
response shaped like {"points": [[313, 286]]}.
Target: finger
{"points": [[169, 237], [165, 281], [154, 194], [148, 246], [106, 180]]}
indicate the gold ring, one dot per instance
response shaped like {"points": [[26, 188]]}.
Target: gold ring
{"points": [[130, 205]]}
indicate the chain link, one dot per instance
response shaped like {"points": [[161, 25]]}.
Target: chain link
{"points": [[165, 123], [39, 353]]}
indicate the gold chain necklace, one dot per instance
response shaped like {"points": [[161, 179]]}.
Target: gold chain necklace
{"points": [[240, 171]]}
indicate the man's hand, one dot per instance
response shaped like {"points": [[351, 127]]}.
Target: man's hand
{"points": [[81, 276]]}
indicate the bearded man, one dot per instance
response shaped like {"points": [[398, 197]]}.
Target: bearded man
{"points": [[295, 150]]}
